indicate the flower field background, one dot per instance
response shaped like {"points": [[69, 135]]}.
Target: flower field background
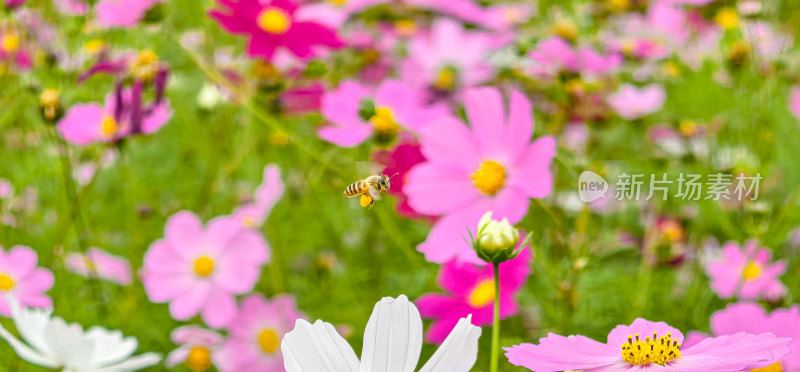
{"points": [[721, 77]]}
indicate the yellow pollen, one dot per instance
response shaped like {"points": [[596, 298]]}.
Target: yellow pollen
{"points": [[109, 126], [365, 200], [445, 80], [775, 367], [6, 283], [751, 271], [274, 20], [203, 266], [144, 66], [248, 221], [483, 294], [490, 177], [10, 42], [658, 350], [383, 121], [268, 340], [727, 18], [199, 359]]}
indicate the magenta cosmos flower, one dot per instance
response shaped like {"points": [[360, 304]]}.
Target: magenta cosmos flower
{"points": [[21, 279], [471, 291], [197, 348], [649, 346], [357, 113], [255, 213], [634, 103], [492, 165], [100, 264], [272, 25], [751, 318], [554, 55], [256, 334], [439, 60], [88, 123], [794, 101], [747, 273], [199, 269]]}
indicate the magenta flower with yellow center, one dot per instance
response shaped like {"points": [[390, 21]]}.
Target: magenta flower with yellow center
{"points": [[490, 165], [274, 24], [747, 273], [649, 346], [22, 281], [471, 290], [199, 269]]}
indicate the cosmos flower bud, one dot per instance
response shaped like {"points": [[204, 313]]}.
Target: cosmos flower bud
{"points": [[496, 241]]}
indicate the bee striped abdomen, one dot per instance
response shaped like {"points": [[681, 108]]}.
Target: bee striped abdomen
{"points": [[355, 188]]}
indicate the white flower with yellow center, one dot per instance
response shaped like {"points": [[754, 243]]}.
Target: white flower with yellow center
{"points": [[392, 342]]}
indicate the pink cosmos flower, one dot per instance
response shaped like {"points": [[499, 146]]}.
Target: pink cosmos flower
{"points": [[21, 279], [72, 7], [6, 188], [492, 165], [627, 349], [88, 123], [13, 51], [439, 59], [256, 333], [794, 101], [746, 273], [356, 113], [255, 213], [199, 269], [197, 347], [471, 291], [768, 42], [334, 13], [633, 103], [751, 318], [554, 55], [122, 13], [273, 24], [100, 264]]}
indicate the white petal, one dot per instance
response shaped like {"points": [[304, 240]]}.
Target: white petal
{"points": [[393, 338], [317, 348], [110, 346], [31, 324], [459, 350], [68, 344], [25, 352], [132, 364]]}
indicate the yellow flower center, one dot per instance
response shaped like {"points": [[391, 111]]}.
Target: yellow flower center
{"points": [[751, 271], [619, 5], [688, 128], [90, 265], [671, 68], [248, 221], [6, 283], [10, 42], [776, 367], [203, 266], [94, 46], [274, 20], [199, 359], [338, 2], [405, 27], [383, 121], [109, 126], [482, 294], [490, 177], [144, 66], [445, 80], [658, 350], [565, 29], [727, 18], [268, 340], [672, 231]]}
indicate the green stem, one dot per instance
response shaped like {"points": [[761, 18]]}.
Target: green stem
{"points": [[496, 323]]}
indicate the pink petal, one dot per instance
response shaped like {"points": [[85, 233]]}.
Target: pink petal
{"points": [[448, 140], [436, 189], [345, 136], [520, 124], [486, 115], [190, 303], [559, 353], [81, 124], [220, 309], [532, 174]]}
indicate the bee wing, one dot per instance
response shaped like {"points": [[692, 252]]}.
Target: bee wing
{"points": [[369, 168], [374, 193]]}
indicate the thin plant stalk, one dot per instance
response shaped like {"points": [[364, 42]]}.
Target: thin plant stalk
{"points": [[496, 322]]}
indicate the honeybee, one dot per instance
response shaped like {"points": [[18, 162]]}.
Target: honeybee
{"points": [[369, 188]]}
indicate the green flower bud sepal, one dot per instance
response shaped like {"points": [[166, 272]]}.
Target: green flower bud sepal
{"points": [[496, 241]]}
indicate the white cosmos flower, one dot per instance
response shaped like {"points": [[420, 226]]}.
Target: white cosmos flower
{"points": [[392, 342], [51, 342]]}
